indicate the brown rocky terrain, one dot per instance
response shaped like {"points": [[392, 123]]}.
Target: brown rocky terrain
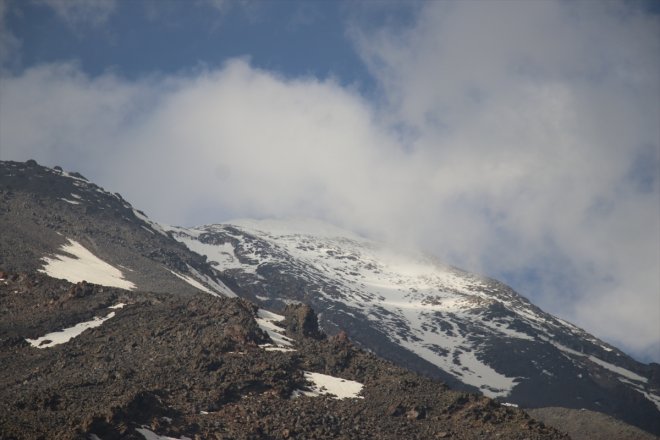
{"points": [[195, 366]]}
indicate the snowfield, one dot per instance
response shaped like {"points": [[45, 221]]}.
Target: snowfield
{"points": [[77, 264]]}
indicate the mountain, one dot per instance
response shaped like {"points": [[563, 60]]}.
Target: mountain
{"points": [[61, 224], [473, 332], [154, 328], [111, 329]]}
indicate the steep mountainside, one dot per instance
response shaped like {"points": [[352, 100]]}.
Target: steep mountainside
{"points": [[463, 328], [68, 227]]}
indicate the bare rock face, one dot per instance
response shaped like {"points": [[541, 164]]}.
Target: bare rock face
{"points": [[301, 321]]}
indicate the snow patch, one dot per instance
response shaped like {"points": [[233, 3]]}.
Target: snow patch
{"points": [[193, 282], [618, 370], [266, 321], [153, 225], [269, 347], [322, 384], [611, 367], [655, 399], [83, 266], [221, 254], [218, 286], [63, 336]]}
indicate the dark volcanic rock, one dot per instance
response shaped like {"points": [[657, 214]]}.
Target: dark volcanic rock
{"points": [[300, 320]]}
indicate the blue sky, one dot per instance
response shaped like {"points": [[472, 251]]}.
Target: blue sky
{"points": [[515, 139], [136, 38]]}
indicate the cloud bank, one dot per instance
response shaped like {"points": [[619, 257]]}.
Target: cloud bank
{"points": [[518, 139]]}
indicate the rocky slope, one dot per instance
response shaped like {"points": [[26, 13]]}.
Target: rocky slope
{"points": [[51, 219], [471, 331], [199, 366], [582, 424]]}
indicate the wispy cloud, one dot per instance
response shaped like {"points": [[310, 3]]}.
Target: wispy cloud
{"points": [[9, 44], [82, 12], [519, 139]]}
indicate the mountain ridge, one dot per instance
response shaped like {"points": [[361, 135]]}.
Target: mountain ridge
{"points": [[43, 223]]}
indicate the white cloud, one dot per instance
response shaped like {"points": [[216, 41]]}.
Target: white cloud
{"points": [[534, 115], [516, 139]]}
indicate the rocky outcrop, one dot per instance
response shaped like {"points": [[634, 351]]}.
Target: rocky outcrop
{"points": [[301, 321]]}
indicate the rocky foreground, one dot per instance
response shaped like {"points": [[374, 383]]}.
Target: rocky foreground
{"points": [[202, 367]]}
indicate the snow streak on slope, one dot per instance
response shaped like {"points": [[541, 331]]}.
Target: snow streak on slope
{"points": [[65, 335], [196, 284], [82, 265], [267, 322]]}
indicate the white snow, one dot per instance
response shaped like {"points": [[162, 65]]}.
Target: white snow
{"points": [[83, 266], [430, 309], [218, 286], [223, 254], [266, 321], [193, 282], [322, 384], [618, 370], [654, 398], [269, 347], [608, 366], [62, 336], [153, 225], [402, 293], [150, 435], [66, 174], [73, 202]]}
